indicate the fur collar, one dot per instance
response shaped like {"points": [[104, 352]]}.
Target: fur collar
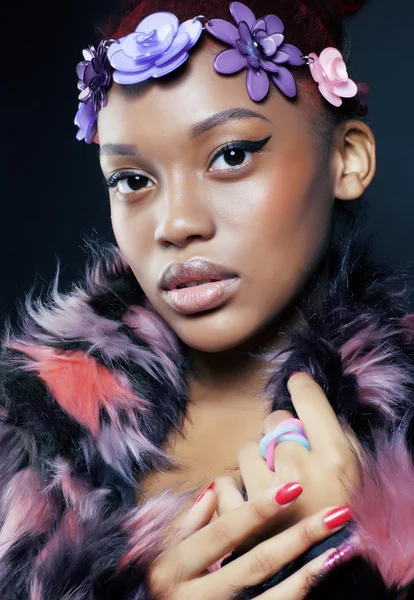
{"points": [[94, 380]]}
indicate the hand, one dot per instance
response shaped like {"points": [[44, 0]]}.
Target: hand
{"points": [[328, 471], [181, 572]]}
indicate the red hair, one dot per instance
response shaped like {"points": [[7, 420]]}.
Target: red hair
{"points": [[312, 25]]}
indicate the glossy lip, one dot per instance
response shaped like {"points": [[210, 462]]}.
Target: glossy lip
{"points": [[206, 295], [196, 269]]}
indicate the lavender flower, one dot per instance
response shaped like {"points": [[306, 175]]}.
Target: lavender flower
{"points": [[258, 46], [94, 75], [158, 46]]}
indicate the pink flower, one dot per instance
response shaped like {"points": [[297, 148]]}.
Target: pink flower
{"points": [[330, 73]]}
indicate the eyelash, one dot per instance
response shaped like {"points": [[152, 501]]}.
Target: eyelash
{"points": [[246, 146]]}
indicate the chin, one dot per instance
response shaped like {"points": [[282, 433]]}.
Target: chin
{"points": [[211, 332]]}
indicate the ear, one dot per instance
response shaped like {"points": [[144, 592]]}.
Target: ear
{"points": [[354, 159]]}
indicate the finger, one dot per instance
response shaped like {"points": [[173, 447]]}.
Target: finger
{"points": [[270, 556], [255, 473], [225, 533], [321, 424], [275, 418], [197, 516], [297, 586], [228, 495]]}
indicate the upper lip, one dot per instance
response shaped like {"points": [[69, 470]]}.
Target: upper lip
{"points": [[196, 269]]}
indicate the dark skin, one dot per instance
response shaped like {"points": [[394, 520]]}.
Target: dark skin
{"points": [[266, 219]]}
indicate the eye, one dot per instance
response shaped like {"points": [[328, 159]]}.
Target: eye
{"points": [[234, 155], [128, 182]]}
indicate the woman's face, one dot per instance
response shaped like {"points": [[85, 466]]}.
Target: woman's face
{"points": [[220, 205]]}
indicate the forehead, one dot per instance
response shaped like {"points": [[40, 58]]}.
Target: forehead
{"points": [[173, 106]]}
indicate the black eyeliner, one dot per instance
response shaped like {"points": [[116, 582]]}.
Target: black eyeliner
{"points": [[242, 145]]}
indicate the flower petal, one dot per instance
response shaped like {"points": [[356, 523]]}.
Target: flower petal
{"points": [[223, 30], [127, 77], [285, 81], [158, 20], [85, 115], [244, 31], [253, 61], [257, 82], [162, 39], [241, 12], [280, 57], [348, 89], [121, 62], [242, 46], [277, 38], [87, 54], [169, 67], [268, 65], [295, 55], [85, 94], [81, 68], [329, 95], [327, 57], [193, 29], [259, 24], [229, 61], [274, 24], [178, 45]]}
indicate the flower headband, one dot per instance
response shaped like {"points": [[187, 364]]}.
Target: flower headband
{"points": [[160, 44]]}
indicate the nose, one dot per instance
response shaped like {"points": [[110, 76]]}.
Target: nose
{"points": [[184, 216]]}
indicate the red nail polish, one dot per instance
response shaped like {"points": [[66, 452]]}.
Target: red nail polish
{"points": [[338, 516], [209, 487], [341, 554], [294, 373], [288, 493]]}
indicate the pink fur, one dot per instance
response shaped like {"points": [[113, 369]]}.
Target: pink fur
{"points": [[149, 326], [79, 384], [384, 513], [27, 506], [70, 317], [116, 445], [379, 384], [149, 527], [86, 501]]}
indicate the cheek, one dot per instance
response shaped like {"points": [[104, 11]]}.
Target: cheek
{"points": [[134, 238]]}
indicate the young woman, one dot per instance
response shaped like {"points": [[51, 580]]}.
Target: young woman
{"points": [[235, 344]]}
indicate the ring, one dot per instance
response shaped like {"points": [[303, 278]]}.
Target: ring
{"points": [[286, 426], [290, 430]]}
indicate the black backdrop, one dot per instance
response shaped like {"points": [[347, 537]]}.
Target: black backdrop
{"points": [[52, 192]]}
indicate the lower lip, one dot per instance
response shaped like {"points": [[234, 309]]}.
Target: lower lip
{"points": [[199, 298]]}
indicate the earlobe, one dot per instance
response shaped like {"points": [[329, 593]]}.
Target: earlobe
{"points": [[355, 162]]}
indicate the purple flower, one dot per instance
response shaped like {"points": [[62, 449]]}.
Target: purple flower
{"points": [[86, 121], [94, 75], [258, 46], [158, 46]]}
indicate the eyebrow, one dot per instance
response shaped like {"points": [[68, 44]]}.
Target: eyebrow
{"points": [[221, 118], [224, 117], [117, 150]]}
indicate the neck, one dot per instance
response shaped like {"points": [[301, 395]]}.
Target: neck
{"points": [[240, 370], [224, 376]]}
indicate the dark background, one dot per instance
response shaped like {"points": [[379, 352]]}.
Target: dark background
{"points": [[52, 192]]}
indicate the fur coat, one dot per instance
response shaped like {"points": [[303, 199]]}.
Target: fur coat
{"points": [[92, 381]]}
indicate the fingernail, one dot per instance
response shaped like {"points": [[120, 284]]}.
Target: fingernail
{"points": [[288, 493], [294, 373], [341, 554], [209, 487], [338, 516]]}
